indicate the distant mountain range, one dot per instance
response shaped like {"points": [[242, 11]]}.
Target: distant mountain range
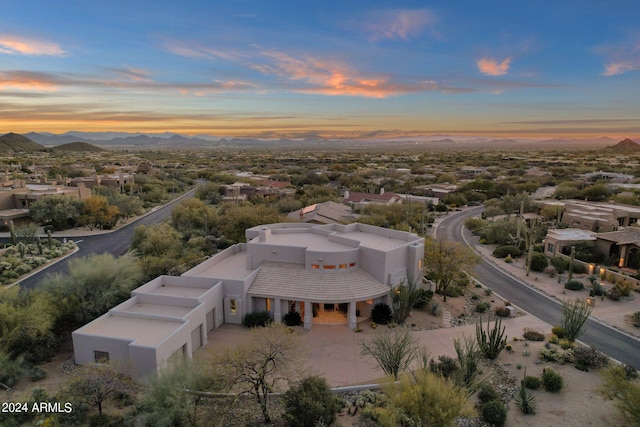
{"points": [[15, 142], [168, 140], [626, 145]]}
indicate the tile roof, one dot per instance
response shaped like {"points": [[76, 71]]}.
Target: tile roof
{"points": [[294, 282], [622, 237]]}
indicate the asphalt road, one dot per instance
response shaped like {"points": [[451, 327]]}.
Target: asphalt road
{"points": [[116, 243], [620, 346]]}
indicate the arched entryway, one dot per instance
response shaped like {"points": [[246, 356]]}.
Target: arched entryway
{"points": [[633, 258]]}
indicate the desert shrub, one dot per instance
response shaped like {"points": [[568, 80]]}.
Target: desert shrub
{"points": [[310, 403], [635, 319], [493, 340], [561, 264], [292, 318], [259, 318], [37, 373], [454, 291], [381, 313], [23, 269], [425, 295], [630, 373], [533, 335], [487, 393], [445, 366], [588, 357], [624, 288], [552, 381], [625, 392], [502, 311], [504, 251], [508, 259], [558, 331], [550, 271], [494, 412], [579, 268], [550, 354], [475, 224], [531, 382], [574, 285], [613, 294], [538, 262], [597, 289], [565, 343], [11, 370], [474, 296], [482, 307], [435, 308]]}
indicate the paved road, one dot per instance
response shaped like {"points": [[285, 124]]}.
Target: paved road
{"points": [[116, 243], [609, 340]]}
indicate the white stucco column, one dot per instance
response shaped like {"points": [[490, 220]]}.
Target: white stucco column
{"points": [[308, 314], [277, 310], [352, 320]]}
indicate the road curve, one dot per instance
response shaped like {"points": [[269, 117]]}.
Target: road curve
{"points": [[116, 243], [616, 344]]}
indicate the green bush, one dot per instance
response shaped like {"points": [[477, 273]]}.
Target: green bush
{"points": [[292, 318], [445, 366], [454, 291], [310, 403], [37, 373], [635, 319], [487, 393], [381, 313], [258, 318], [482, 307], [558, 331], [533, 335], [574, 285], [424, 298], [502, 311], [538, 262], [503, 251], [551, 380], [494, 412], [531, 382]]}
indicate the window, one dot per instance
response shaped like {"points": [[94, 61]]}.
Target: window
{"points": [[315, 266], [419, 263], [343, 265], [329, 267], [101, 356], [353, 264], [233, 308], [551, 247]]}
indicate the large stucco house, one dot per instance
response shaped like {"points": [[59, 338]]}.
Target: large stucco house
{"points": [[308, 268]]}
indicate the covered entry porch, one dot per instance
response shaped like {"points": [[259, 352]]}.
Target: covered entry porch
{"points": [[283, 287]]}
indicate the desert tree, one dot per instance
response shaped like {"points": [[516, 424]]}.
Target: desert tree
{"points": [[574, 318], [310, 403], [270, 358], [175, 395], [96, 384], [446, 261], [393, 349], [625, 391]]}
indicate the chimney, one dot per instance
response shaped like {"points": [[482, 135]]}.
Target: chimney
{"points": [[381, 191], [346, 194], [263, 234]]}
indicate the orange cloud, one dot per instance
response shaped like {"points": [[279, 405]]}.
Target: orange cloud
{"points": [[25, 80], [402, 24], [13, 45], [492, 67], [336, 78]]}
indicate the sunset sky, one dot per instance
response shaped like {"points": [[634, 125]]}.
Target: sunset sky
{"points": [[333, 69]]}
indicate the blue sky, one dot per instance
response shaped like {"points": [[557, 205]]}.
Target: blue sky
{"points": [[330, 69]]}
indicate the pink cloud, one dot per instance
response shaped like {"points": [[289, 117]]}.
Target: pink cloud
{"points": [[12, 45], [402, 24], [616, 68], [492, 67]]}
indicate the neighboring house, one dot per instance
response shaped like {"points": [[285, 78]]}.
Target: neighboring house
{"points": [[595, 216], [15, 201], [621, 247], [360, 200], [323, 213], [316, 270]]}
